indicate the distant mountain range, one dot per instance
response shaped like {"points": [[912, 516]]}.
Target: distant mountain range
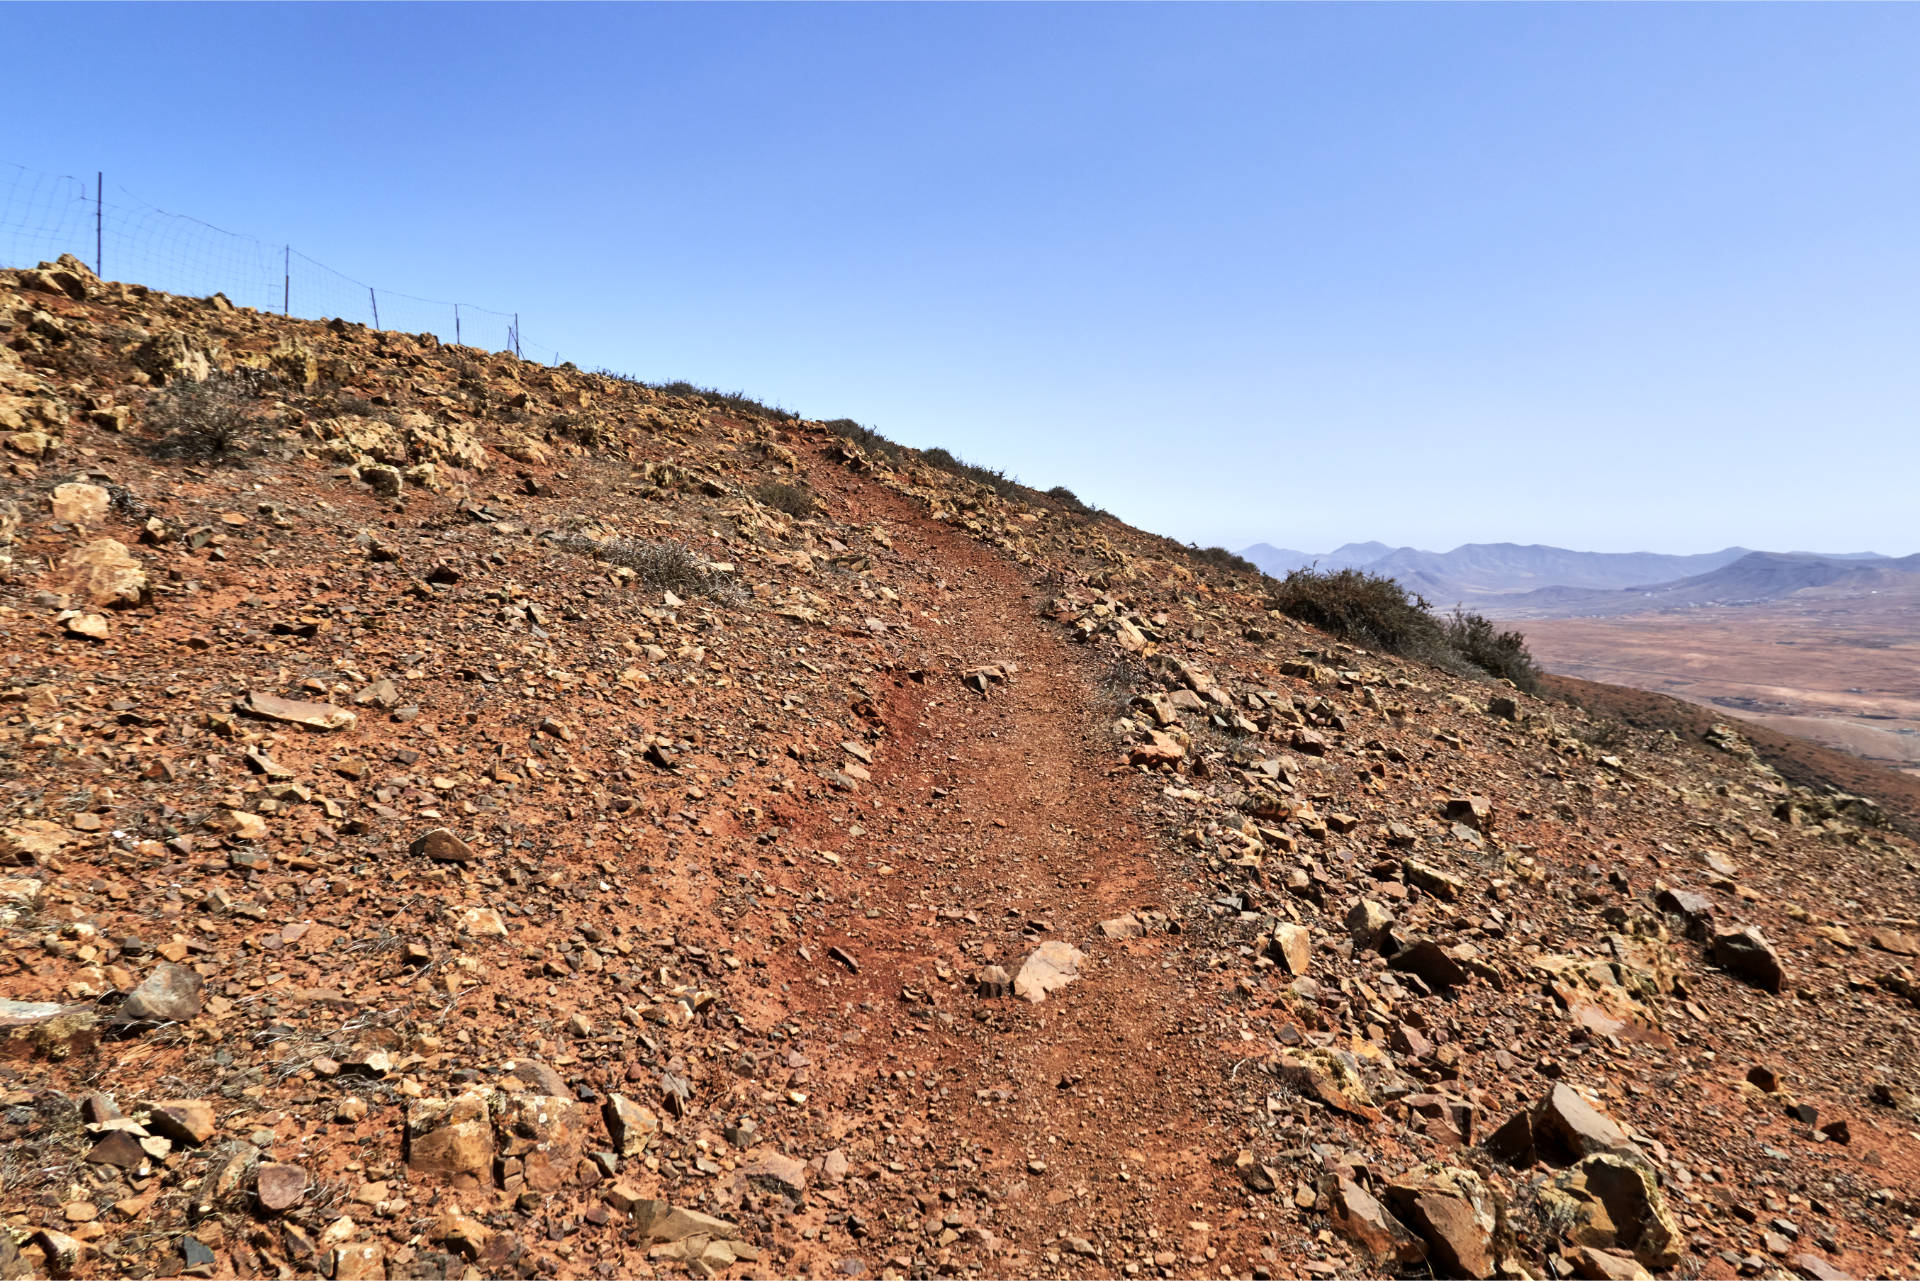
{"points": [[1509, 580]]}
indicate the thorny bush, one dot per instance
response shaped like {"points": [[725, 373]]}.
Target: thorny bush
{"points": [[797, 501], [666, 567], [1377, 612], [205, 420]]}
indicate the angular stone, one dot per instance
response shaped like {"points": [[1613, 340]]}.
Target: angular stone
{"points": [[93, 627], [80, 504], [1052, 966], [1816, 1268], [442, 846], [1454, 1212], [1475, 812], [1564, 1121], [631, 1126], [171, 994], [360, 1261], [548, 1134], [1618, 1205], [1257, 1177], [994, 981], [451, 1137], [1603, 1265], [1430, 962], [33, 840], [1159, 749], [1503, 707], [62, 1252], [1746, 954], [280, 1187], [103, 573], [1368, 923], [777, 1172], [1293, 947], [1356, 1215], [1513, 1141], [46, 1029], [1695, 909], [188, 1121], [1431, 880], [1329, 1079], [294, 711], [482, 923], [118, 1148], [1122, 927], [680, 1223]]}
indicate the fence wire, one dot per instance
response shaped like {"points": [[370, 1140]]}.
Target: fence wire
{"points": [[44, 215]]}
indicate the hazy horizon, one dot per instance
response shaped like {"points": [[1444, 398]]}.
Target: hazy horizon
{"points": [[1280, 545], [1596, 277]]}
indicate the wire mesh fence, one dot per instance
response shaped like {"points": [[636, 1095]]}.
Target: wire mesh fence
{"points": [[44, 215]]}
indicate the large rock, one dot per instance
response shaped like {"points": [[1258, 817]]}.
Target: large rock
{"points": [[103, 573], [78, 503], [1454, 1212], [442, 846], [1293, 948], [1746, 954], [631, 1126], [1429, 961], [171, 994], [1330, 1079], [452, 1138], [294, 711], [187, 1121], [777, 1172], [1360, 1218], [170, 357], [280, 1187], [65, 275], [19, 895], [1565, 1122], [1615, 1203], [1052, 966], [33, 840], [549, 1136], [1368, 923], [1590, 1264], [46, 1029]]}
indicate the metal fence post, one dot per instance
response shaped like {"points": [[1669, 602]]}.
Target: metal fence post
{"points": [[456, 326], [376, 306], [99, 182], [286, 280]]}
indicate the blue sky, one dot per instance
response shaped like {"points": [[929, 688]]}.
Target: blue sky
{"points": [[1609, 277]]}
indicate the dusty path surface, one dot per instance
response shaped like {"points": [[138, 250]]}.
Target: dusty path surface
{"points": [[1074, 1134], [512, 821]]}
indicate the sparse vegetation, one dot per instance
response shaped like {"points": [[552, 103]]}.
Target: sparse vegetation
{"points": [[208, 420], [1071, 501], [1221, 558], [869, 440], [737, 403], [1364, 608], [1379, 613], [666, 567], [796, 500], [1501, 653], [998, 481]]}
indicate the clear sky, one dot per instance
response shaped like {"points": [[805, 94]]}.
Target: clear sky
{"points": [[1606, 276]]}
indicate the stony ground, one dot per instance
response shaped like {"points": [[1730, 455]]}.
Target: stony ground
{"points": [[465, 818]]}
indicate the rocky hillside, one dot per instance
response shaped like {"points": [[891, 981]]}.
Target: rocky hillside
{"points": [[468, 818]]}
